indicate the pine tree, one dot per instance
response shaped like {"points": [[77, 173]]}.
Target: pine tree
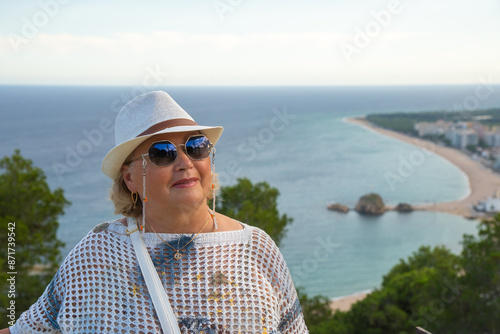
{"points": [[28, 224], [254, 204]]}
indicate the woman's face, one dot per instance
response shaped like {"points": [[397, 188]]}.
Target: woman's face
{"points": [[183, 185]]}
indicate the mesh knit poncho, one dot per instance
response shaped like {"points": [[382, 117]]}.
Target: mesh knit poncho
{"points": [[226, 282]]}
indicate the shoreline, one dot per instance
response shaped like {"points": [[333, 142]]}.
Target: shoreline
{"points": [[483, 182], [344, 303]]}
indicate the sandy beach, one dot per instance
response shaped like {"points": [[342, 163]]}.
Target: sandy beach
{"points": [[344, 303], [483, 182]]}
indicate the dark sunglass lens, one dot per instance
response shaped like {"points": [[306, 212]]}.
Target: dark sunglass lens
{"points": [[162, 153], [198, 147]]}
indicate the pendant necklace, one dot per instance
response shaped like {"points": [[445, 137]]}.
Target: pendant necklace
{"points": [[178, 254]]}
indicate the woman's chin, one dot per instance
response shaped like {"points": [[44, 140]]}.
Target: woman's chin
{"points": [[189, 201]]}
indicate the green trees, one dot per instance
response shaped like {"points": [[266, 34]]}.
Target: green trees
{"points": [[404, 122], [254, 204], [28, 218], [317, 311], [397, 122], [407, 295], [478, 309]]}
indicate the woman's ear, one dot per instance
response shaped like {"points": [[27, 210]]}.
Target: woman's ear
{"points": [[127, 172]]}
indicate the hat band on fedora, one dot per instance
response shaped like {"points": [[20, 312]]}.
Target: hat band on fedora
{"points": [[168, 124]]}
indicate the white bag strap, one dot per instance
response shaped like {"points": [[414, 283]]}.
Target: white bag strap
{"points": [[168, 320]]}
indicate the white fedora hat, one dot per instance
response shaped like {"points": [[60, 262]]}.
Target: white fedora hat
{"points": [[143, 117]]}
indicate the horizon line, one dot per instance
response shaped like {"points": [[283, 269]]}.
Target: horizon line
{"points": [[242, 86]]}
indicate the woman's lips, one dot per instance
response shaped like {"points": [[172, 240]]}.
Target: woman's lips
{"points": [[186, 183]]}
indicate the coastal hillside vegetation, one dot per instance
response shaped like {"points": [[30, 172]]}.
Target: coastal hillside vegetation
{"points": [[405, 122], [29, 213], [397, 122]]}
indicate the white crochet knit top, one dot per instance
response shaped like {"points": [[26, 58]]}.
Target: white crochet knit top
{"points": [[225, 282]]}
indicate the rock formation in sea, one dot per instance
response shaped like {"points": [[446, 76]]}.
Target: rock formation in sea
{"points": [[370, 204], [403, 207], [338, 207]]}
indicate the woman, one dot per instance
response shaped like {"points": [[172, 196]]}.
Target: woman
{"points": [[220, 275]]}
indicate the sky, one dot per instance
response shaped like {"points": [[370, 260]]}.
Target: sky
{"points": [[249, 42]]}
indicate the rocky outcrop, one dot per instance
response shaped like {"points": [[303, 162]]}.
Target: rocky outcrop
{"points": [[338, 207], [371, 204], [404, 208]]}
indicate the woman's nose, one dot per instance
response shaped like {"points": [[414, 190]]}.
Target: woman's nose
{"points": [[183, 161]]}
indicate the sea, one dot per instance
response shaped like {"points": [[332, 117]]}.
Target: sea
{"points": [[295, 138]]}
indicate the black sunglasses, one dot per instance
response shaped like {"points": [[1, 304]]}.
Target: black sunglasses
{"points": [[163, 153]]}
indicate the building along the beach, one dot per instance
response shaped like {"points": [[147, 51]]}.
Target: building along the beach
{"points": [[460, 134], [432, 128], [492, 138], [463, 138], [491, 204]]}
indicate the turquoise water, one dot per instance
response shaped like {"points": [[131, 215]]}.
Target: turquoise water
{"points": [[293, 138]]}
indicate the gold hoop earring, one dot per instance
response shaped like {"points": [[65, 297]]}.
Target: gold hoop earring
{"points": [[134, 196]]}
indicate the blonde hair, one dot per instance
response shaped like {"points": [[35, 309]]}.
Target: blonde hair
{"points": [[121, 196]]}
